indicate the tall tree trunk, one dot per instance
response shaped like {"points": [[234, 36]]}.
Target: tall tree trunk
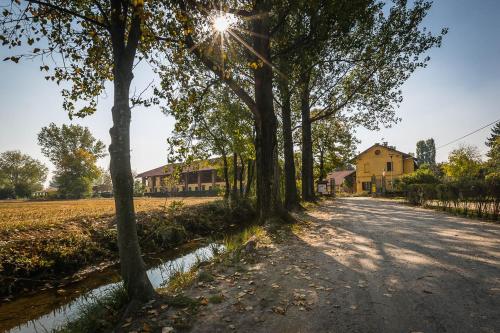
{"points": [[241, 173], [250, 176], [307, 153], [133, 270], [235, 176], [291, 196], [321, 164], [226, 176], [268, 201]]}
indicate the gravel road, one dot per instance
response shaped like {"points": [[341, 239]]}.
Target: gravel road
{"points": [[408, 269]]}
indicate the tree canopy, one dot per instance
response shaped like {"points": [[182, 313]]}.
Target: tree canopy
{"points": [[74, 152], [463, 163], [20, 175], [426, 151]]}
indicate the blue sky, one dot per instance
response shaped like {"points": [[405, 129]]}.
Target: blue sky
{"points": [[457, 93]]}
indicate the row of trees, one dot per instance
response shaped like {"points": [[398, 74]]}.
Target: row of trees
{"points": [[74, 152], [319, 60], [465, 183]]}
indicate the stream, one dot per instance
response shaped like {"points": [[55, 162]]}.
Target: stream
{"points": [[48, 310]]}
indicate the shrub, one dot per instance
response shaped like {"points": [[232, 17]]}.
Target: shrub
{"points": [[467, 196]]}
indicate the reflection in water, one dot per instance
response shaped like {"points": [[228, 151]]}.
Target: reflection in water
{"points": [[18, 314]]}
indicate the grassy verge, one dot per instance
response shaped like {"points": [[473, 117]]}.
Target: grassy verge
{"points": [[43, 259], [104, 315], [99, 315]]}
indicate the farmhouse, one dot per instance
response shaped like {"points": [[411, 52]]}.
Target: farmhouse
{"points": [[197, 178], [378, 166], [342, 180]]}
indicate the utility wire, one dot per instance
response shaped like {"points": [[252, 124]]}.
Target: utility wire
{"points": [[463, 137]]}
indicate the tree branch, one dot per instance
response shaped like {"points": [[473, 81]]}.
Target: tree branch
{"points": [[70, 12]]}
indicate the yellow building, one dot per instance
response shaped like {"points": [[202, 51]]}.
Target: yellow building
{"points": [[378, 167]]}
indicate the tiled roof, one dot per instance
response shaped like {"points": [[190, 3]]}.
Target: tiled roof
{"points": [[339, 176], [405, 155], [167, 169]]}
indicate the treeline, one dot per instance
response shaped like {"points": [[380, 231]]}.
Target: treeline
{"points": [[465, 184], [73, 151]]}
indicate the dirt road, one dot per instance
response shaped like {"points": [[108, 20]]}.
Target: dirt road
{"points": [[363, 265], [408, 269]]}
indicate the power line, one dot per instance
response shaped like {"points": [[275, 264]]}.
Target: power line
{"points": [[463, 137]]}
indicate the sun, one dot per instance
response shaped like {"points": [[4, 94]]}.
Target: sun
{"points": [[221, 23]]}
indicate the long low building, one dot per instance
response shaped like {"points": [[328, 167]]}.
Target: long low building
{"points": [[200, 177]]}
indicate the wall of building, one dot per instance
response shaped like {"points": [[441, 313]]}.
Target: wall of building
{"points": [[374, 161], [195, 181]]}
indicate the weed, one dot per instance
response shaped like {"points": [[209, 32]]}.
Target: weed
{"points": [[99, 315], [216, 299], [179, 278]]}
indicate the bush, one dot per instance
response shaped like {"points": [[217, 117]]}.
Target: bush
{"points": [[469, 196], [7, 193]]}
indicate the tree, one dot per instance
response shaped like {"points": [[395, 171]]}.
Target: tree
{"points": [[423, 175], [493, 143], [249, 76], [357, 58], [334, 145], [104, 183], [463, 163], [426, 152], [74, 152], [138, 188], [20, 174], [214, 124], [89, 43]]}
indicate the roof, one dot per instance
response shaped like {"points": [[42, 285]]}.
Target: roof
{"points": [[405, 155], [339, 176], [168, 169]]}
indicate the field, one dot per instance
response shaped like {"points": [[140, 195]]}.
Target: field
{"points": [[50, 240], [24, 216]]}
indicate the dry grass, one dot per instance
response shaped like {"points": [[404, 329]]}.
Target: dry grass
{"points": [[17, 215]]}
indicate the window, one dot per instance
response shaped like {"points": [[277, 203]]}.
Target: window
{"points": [[203, 187], [367, 167], [389, 166], [210, 188], [377, 152], [366, 186]]}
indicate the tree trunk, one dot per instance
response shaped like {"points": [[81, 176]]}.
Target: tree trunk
{"points": [[242, 172], [321, 164], [268, 201], [226, 177], [235, 176], [307, 153], [250, 174], [291, 196], [133, 270]]}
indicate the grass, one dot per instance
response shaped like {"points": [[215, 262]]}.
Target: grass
{"points": [[100, 315], [50, 251], [179, 278], [103, 315]]}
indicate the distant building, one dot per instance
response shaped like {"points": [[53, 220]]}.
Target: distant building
{"points": [[344, 181], [198, 178], [45, 193], [378, 167]]}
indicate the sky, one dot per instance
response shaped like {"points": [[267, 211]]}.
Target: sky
{"points": [[456, 94]]}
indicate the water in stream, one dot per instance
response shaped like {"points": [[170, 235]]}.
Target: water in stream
{"points": [[49, 310]]}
